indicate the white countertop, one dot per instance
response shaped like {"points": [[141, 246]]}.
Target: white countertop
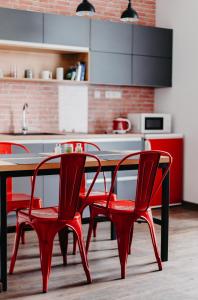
{"points": [[164, 136], [47, 139]]}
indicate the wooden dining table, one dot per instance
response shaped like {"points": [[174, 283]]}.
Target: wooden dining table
{"points": [[21, 165]]}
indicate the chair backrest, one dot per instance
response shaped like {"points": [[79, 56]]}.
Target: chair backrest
{"points": [[71, 173], [83, 145], [147, 170], [7, 148]]}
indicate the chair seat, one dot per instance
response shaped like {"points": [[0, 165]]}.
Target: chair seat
{"points": [[45, 213], [98, 195], [17, 201], [119, 206]]}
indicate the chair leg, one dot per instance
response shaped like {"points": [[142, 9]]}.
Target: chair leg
{"points": [[94, 229], [46, 239], [23, 237], [91, 228], [123, 227], [74, 243], [19, 230], [63, 242], [149, 219], [23, 231], [131, 238], [79, 234]]}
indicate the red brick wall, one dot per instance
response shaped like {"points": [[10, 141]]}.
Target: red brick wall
{"points": [[43, 98], [110, 10], [102, 110]]}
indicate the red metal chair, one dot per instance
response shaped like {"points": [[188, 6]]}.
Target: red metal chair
{"points": [[94, 195], [16, 201], [123, 213], [47, 222]]}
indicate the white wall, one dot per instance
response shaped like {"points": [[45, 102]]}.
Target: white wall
{"points": [[182, 99]]}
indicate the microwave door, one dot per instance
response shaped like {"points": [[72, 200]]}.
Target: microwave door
{"points": [[154, 124]]}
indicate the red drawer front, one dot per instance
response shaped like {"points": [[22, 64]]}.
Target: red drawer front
{"points": [[7, 150], [175, 148]]}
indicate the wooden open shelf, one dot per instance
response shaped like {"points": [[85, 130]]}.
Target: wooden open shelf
{"points": [[38, 80], [38, 59]]}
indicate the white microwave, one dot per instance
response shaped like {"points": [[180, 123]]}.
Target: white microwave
{"points": [[150, 122]]}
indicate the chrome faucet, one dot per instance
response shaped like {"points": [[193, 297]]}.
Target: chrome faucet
{"points": [[24, 120]]}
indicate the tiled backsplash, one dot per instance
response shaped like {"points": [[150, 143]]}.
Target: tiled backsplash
{"points": [[43, 98]]}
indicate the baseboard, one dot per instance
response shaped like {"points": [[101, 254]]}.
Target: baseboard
{"points": [[190, 205], [171, 205]]}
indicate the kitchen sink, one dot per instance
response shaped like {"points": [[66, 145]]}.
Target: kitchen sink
{"points": [[34, 133]]}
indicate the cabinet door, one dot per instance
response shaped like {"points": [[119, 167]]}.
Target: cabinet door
{"points": [[175, 148], [64, 30], [23, 184], [51, 183], [151, 71], [133, 146], [111, 37], [110, 68], [126, 180], [21, 25], [152, 41], [126, 189]]}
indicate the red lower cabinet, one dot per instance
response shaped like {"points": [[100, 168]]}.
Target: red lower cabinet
{"points": [[175, 148], [6, 149]]}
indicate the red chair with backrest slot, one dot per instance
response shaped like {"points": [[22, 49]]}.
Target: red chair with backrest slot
{"points": [[16, 201], [123, 213], [48, 221], [94, 195]]}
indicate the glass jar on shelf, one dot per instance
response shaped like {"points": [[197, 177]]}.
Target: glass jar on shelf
{"points": [[78, 148]]}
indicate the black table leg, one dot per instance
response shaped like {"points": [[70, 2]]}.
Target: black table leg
{"points": [[113, 232], [3, 234], [165, 217]]}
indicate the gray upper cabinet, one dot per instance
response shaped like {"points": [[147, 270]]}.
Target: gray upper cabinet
{"points": [[120, 54], [18, 25], [151, 71], [111, 37], [64, 30], [110, 68], [152, 41]]}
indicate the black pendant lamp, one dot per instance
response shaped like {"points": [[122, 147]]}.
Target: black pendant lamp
{"points": [[85, 8], [129, 15]]}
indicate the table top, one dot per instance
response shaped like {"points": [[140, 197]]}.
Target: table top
{"points": [[29, 161]]}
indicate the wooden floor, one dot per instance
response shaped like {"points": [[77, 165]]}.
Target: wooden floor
{"points": [[178, 280]]}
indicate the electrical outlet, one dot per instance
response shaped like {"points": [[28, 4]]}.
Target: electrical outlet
{"points": [[97, 94], [113, 94]]}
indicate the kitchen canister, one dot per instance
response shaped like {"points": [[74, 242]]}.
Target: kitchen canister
{"points": [[28, 73], [46, 74], [59, 73], [68, 148]]}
